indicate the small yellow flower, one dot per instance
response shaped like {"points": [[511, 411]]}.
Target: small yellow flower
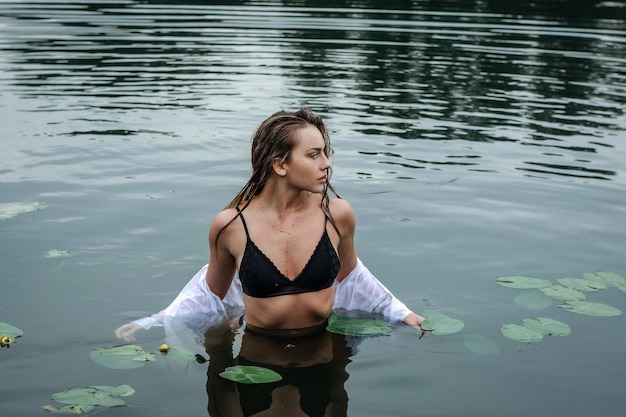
{"points": [[164, 348], [6, 340]]}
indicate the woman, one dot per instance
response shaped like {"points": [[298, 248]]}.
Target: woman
{"points": [[290, 244]]}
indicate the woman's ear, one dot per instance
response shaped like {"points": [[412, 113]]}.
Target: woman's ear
{"points": [[279, 167]]}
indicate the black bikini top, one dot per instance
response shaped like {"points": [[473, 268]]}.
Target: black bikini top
{"points": [[260, 278]]}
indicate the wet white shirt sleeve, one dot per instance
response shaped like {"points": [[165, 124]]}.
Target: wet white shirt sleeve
{"points": [[360, 291], [197, 306]]}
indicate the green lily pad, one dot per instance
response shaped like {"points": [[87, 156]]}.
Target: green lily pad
{"points": [[121, 357], [563, 293], [609, 278], [56, 253], [118, 391], [521, 333], [9, 330], [480, 344], [582, 284], [76, 409], [182, 356], [356, 326], [9, 211], [84, 399], [533, 300], [440, 324], [591, 309], [547, 326], [592, 277], [144, 357], [250, 374], [523, 282]]}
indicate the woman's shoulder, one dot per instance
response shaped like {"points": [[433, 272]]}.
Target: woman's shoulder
{"points": [[341, 210], [223, 219], [339, 204]]}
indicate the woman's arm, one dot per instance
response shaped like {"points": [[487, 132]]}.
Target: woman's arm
{"points": [[344, 217], [222, 266]]}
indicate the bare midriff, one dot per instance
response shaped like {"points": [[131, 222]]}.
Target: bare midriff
{"points": [[293, 311]]}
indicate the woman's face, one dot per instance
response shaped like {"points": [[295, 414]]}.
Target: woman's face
{"points": [[307, 166]]}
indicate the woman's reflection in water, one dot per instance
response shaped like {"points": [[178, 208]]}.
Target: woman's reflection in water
{"points": [[312, 363]]}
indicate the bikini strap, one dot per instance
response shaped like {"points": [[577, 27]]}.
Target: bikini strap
{"points": [[243, 221]]}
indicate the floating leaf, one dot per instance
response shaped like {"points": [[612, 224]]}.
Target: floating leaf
{"points": [[9, 330], [250, 374], [440, 324], [596, 279], [591, 309], [522, 282], [180, 355], [356, 326], [76, 409], [56, 253], [611, 279], [547, 326], [118, 390], [563, 293], [481, 345], [84, 399], [533, 300], [582, 284], [9, 211], [144, 357], [122, 350], [521, 333], [120, 357]]}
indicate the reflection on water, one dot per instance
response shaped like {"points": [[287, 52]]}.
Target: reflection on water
{"points": [[545, 80], [311, 367]]}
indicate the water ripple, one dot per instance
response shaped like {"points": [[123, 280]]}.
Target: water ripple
{"points": [[485, 76]]}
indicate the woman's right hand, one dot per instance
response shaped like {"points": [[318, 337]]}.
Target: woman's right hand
{"points": [[127, 331]]}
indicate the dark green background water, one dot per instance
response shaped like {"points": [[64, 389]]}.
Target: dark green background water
{"points": [[474, 139]]}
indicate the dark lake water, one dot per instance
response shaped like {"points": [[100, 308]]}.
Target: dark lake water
{"points": [[474, 139]]}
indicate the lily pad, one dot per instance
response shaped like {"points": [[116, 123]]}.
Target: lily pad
{"points": [[118, 391], [591, 309], [356, 326], [523, 282], [533, 300], [83, 399], [440, 324], [121, 357], [250, 374], [56, 253], [480, 344], [582, 284], [547, 326], [521, 333], [9, 330], [563, 293], [9, 211], [591, 276], [182, 356], [610, 279]]}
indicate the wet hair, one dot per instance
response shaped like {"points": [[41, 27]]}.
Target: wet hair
{"points": [[274, 140]]}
